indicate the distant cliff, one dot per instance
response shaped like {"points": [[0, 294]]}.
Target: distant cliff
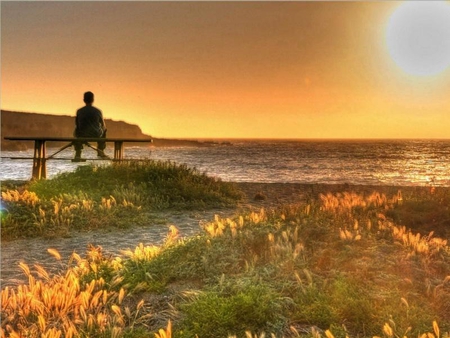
{"points": [[33, 124]]}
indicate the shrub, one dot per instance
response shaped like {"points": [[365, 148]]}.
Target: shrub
{"points": [[119, 195], [155, 184], [233, 309]]}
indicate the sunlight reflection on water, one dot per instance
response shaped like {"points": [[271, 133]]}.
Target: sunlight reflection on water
{"points": [[419, 162]]}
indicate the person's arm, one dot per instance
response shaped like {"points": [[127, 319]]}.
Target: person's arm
{"points": [[76, 124], [102, 121]]}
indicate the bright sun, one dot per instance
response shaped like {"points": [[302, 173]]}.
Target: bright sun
{"points": [[418, 37]]}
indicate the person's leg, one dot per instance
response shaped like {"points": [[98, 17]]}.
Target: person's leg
{"points": [[78, 146], [101, 146]]}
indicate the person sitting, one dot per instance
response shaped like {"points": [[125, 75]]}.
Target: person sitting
{"points": [[89, 123]]}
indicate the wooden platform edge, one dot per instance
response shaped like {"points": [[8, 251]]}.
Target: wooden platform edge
{"points": [[71, 159]]}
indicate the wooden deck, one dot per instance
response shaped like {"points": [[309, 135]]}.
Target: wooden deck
{"points": [[40, 158]]}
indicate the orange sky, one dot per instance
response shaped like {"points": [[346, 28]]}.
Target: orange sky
{"points": [[221, 70]]}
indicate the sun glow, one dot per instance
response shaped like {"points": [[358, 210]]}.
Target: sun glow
{"points": [[418, 37]]}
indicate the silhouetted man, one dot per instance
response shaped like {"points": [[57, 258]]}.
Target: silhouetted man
{"points": [[89, 123]]}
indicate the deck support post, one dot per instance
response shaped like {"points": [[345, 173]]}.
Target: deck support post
{"points": [[39, 163], [118, 150]]}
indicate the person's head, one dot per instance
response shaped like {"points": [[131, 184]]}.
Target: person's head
{"points": [[88, 97]]}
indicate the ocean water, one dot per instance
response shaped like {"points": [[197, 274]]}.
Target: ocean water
{"points": [[374, 162]]}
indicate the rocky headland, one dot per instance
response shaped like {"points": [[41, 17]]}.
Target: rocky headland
{"points": [[35, 124]]}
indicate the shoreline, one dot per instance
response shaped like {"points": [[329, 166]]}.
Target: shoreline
{"points": [[280, 193]]}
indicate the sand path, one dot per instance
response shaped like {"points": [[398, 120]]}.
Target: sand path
{"points": [[34, 251], [113, 241]]}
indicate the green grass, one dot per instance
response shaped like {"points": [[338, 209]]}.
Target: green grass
{"points": [[232, 306], [338, 265], [160, 184], [119, 195], [310, 273]]}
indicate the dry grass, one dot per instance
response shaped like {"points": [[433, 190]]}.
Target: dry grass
{"points": [[66, 305], [336, 267]]}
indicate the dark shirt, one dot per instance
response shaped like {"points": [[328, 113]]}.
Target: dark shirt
{"points": [[89, 122]]}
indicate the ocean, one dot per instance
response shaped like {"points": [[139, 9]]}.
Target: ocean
{"points": [[371, 162]]}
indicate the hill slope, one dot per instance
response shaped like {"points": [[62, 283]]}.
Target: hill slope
{"points": [[34, 124]]}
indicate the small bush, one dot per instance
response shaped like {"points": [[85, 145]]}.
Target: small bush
{"points": [[232, 310], [160, 184], [119, 195]]}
